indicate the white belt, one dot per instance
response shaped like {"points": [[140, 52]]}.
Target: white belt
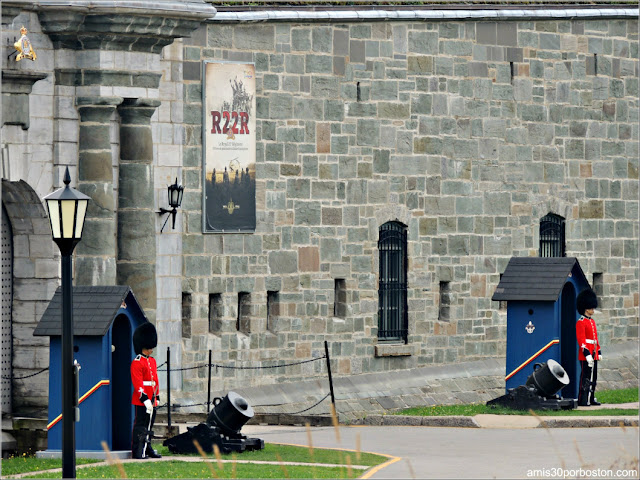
{"points": [[593, 342], [151, 383]]}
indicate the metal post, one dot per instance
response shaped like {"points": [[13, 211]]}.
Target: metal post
{"points": [[68, 402], [209, 384], [169, 388], [326, 352]]}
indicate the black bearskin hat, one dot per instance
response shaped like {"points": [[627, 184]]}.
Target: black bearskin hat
{"points": [[145, 336], [587, 299]]}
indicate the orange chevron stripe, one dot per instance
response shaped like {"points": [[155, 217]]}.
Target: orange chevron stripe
{"points": [[526, 362], [80, 400]]}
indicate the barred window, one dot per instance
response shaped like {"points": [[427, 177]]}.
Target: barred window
{"points": [[392, 290], [552, 236]]}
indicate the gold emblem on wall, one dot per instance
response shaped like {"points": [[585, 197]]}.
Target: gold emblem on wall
{"points": [[23, 47], [230, 207]]}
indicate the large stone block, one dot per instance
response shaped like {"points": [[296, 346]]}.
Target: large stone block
{"points": [[368, 132], [423, 42], [254, 37], [308, 213], [283, 262], [135, 185], [136, 235]]}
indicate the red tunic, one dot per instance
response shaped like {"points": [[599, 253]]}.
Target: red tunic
{"points": [[144, 376], [587, 336]]}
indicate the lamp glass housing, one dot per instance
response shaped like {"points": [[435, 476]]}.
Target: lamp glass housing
{"points": [[67, 209], [175, 192], [54, 217]]}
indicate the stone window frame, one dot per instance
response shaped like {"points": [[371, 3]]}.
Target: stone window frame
{"points": [[216, 313], [243, 318], [340, 298], [273, 309], [444, 304], [187, 310]]}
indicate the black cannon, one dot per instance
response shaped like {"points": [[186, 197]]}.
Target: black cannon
{"points": [[222, 428], [539, 391]]}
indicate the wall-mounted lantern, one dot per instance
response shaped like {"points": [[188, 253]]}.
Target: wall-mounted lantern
{"points": [[175, 192]]}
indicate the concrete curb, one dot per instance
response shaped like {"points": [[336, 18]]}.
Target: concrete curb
{"points": [[498, 421]]}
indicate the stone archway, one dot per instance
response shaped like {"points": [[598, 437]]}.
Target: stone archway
{"points": [[35, 279]]}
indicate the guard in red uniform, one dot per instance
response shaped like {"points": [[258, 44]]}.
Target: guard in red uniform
{"points": [[144, 376], [589, 352]]}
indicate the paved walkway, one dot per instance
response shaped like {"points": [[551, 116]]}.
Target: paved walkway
{"points": [[443, 453]]}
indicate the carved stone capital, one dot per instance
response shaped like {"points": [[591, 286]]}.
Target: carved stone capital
{"points": [[97, 109], [124, 25], [137, 111], [16, 87]]}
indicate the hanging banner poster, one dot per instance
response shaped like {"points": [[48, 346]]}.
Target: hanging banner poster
{"points": [[229, 147]]}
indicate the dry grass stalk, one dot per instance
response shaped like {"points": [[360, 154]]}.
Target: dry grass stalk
{"points": [[308, 426], [349, 469], [358, 449], [204, 456], [113, 460], [309, 440], [216, 452], [334, 418], [234, 465], [282, 465], [411, 471]]}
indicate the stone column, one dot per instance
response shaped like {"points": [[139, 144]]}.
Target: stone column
{"points": [[96, 253], [136, 263]]}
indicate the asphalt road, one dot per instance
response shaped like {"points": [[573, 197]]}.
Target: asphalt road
{"points": [[438, 452]]}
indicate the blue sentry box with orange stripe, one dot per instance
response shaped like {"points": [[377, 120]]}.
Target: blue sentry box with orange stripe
{"points": [[541, 297], [104, 319]]}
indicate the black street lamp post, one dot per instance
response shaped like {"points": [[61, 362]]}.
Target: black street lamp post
{"points": [[67, 208]]}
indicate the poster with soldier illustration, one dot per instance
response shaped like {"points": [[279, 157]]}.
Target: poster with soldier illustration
{"points": [[229, 147]]}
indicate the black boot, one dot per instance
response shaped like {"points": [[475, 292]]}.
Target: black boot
{"points": [[138, 451], [151, 453], [594, 401]]}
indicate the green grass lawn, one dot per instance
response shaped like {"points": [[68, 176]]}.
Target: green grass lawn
{"points": [[178, 469], [625, 395], [25, 463], [613, 397], [175, 468], [292, 453]]}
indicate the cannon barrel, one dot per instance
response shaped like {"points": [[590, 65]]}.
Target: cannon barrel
{"points": [[547, 378], [230, 413]]}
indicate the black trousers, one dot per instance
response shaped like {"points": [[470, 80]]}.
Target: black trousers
{"points": [[587, 391], [140, 427]]}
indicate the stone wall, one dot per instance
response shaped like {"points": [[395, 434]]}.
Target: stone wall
{"points": [[467, 132]]}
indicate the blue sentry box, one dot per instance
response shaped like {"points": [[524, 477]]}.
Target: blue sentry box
{"points": [[541, 298], [104, 320]]}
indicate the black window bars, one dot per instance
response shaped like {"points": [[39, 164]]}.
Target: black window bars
{"points": [[552, 240], [392, 289]]}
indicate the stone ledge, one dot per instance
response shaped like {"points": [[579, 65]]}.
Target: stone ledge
{"points": [[394, 350], [408, 420]]}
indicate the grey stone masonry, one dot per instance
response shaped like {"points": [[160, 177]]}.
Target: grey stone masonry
{"points": [[136, 262], [36, 263], [96, 254], [467, 132]]}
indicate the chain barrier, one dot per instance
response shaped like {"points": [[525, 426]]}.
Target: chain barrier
{"points": [[177, 405], [12, 377], [243, 368]]}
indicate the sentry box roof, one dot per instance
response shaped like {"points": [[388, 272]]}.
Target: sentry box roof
{"points": [[536, 278], [94, 309]]}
